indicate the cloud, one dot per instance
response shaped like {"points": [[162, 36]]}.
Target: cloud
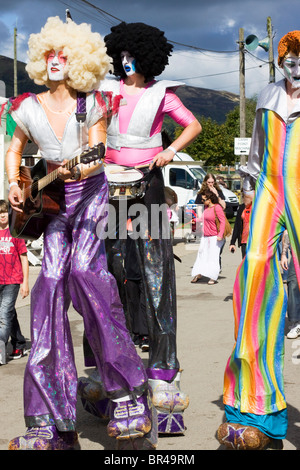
{"points": [[217, 71], [228, 24], [212, 25]]}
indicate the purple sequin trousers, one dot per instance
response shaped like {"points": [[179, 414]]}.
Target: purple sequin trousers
{"points": [[75, 269]]}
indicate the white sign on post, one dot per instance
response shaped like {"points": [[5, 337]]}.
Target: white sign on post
{"points": [[242, 145]]}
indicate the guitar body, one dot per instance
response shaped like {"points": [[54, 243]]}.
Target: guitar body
{"points": [[39, 207]]}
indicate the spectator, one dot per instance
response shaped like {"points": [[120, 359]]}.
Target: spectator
{"points": [[221, 181], [13, 278], [210, 182], [241, 225], [207, 262]]}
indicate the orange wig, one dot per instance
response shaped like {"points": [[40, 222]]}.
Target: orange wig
{"points": [[288, 43]]}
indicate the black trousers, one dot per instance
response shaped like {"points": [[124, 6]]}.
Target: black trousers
{"points": [[150, 259]]}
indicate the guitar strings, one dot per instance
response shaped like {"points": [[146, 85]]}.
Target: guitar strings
{"points": [[37, 185]]}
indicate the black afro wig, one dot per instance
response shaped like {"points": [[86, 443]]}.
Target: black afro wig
{"points": [[147, 44]]}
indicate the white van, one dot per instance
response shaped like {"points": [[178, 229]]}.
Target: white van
{"points": [[186, 179]]}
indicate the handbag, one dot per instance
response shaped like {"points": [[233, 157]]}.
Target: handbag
{"points": [[227, 230]]}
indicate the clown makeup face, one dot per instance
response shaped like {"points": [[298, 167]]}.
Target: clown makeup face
{"points": [[56, 63], [128, 63], [291, 68]]}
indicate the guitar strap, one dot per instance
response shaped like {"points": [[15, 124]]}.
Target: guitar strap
{"points": [[81, 113]]}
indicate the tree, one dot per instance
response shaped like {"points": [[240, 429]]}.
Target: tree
{"points": [[232, 122], [215, 144], [212, 146]]}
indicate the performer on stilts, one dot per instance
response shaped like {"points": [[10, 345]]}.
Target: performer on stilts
{"points": [[255, 404], [140, 53], [71, 61]]}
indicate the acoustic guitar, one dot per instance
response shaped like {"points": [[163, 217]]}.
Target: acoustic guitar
{"points": [[42, 194]]}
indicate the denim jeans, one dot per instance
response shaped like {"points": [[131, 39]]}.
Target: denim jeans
{"points": [[293, 308], [9, 325]]}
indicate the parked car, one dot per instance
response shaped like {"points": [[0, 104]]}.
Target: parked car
{"points": [[186, 178]]}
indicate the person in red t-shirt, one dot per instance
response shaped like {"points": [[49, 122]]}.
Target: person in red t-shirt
{"points": [[14, 273]]}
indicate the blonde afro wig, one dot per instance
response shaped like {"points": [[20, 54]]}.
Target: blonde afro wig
{"points": [[87, 60]]}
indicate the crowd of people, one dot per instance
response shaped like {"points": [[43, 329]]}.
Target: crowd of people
{"points": [[124, 287]]}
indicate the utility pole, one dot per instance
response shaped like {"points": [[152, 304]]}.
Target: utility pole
{"points": [[15, 64], [242, 89], [271, 54]]}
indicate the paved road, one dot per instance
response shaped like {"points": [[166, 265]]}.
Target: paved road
{"points": [[205, 340]]}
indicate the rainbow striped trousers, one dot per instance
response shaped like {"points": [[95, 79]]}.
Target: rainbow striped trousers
{"points": [[253, 382]]}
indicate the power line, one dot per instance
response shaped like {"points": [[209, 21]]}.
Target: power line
{"points": [[109, 19], [92, 16], [200, 49], [257, 58], [216, 74], [279, 70], [100, 10]]}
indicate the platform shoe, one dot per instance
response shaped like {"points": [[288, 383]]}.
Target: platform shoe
{"points": [[93, 395], [235, 436], [170, 403], [134, 423], [44, 438]]}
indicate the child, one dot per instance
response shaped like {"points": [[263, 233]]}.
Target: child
{"points": [[14, 271]]}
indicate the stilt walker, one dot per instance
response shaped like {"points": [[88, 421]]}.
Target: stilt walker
{"points": [[64, 122], [255, 404], [140, 52]]}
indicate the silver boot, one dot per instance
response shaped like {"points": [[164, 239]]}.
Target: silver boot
{"points": [[170, 402], [93, 395]]}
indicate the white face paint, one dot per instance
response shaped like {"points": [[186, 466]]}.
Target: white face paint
{"points": [[291, 68], [128, 63], [56, 63]]}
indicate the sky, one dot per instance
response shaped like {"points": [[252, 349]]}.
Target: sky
{"points": [[204, 33]]}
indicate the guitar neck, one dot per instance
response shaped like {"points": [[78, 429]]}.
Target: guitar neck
{"points": [[50, 177]]}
